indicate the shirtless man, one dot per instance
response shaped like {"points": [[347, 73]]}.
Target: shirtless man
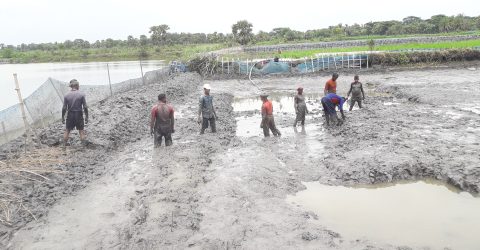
{"points": [[74, 105], [357, 93], [300, 107], [162, 122]]}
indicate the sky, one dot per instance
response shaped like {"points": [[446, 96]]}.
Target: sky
{"points": [[36, 21]]}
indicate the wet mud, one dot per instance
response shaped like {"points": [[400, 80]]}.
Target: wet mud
{"points": [[229, 190]]}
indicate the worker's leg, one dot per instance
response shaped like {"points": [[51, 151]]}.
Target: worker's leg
{"points": [[66, 135], [359, 103], [272, 126], [266, 130], [352, 102], [157, 139], [168, 139], [213, 125], [204, 125], [82, 134]]}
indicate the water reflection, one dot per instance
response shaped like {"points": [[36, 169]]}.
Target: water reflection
{"points": [[31, 76], [420, 214]]}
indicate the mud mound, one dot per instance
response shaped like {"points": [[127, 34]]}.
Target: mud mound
{"points": [[114, 123]]}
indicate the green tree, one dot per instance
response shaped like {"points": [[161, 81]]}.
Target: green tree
{"points": [[242, 32], [159, 34], [143, 40]]}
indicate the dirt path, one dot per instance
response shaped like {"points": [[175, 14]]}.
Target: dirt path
{"points": [[228, 190]]}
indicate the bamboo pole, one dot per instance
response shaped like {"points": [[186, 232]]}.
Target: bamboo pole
{"points": [[313, 67], [22, 109], [141, 70], [110, 81], [4, 132], [367, 61]]}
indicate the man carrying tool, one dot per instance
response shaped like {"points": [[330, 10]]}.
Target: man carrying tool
{"points": [[357, 93], [206, 111], [162, 122], [300, 107], [268, 122], [329, 103], [74, 104], [331, 85]]}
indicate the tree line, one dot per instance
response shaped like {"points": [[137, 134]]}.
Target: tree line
{"points": [[242, 33]]}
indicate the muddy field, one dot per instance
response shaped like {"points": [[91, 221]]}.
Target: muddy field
{"points": [[228, 190]]}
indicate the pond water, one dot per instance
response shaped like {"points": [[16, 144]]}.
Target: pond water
{"points": [[419, 214], [32, 75]]}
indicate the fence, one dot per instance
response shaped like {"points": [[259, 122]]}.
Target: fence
{"points": [[44, 105], [320, 62]]}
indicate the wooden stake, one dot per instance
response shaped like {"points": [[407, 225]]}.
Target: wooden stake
{"points": [[22, 109], [4, 132], [110, 81]]}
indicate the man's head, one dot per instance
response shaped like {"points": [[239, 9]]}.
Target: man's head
{"points": [[162, 97], [263, 97], [356, 78], [300, 90], [335, 76], [74, 84], [206, 89]]}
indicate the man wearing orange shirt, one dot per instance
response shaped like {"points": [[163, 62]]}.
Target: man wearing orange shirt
{"points": [[331, 85], [268, 123]]}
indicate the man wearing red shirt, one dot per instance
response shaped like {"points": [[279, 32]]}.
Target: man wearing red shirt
{"points": [[268, 123], [331, 85], [162, 122]]}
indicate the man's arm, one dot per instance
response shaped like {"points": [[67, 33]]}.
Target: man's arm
{"points": [[172, 121], [325, 91], [152, 118], [295, 104], [64, 109], [85, 109], [361, 88], [213, 110], [340, 107], [350, 91], [200, 105]]}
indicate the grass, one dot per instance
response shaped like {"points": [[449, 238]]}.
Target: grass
{"points": [[392, 47], [347, 38], [171, 52]]}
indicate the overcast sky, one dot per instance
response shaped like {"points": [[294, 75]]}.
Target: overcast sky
{"points": [[26, 21]]}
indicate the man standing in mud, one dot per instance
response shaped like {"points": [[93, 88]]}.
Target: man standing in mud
{"points": [[162, 122], [74, 104], [206, 111], [331, 85], [329, 103], [268, 123], [300, 107], [357, 93]]}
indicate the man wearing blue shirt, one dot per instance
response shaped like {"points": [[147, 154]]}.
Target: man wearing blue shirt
{"points": [[329, 103]]}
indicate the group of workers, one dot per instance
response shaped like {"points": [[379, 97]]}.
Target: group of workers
{"points": [[162, 118]]}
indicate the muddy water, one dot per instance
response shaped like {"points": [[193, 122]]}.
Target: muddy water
{"points": [[420, 214]]}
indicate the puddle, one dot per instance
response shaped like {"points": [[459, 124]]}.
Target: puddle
{"points": [[280, 103], [249, 126], [391, 103], [420, 214]]}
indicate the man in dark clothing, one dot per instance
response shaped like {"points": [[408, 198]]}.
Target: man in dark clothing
{"points": [[268, 123], [357, 93], [73, 104], [206, 111], [162, 122], [329, 103], [300, 107]]}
